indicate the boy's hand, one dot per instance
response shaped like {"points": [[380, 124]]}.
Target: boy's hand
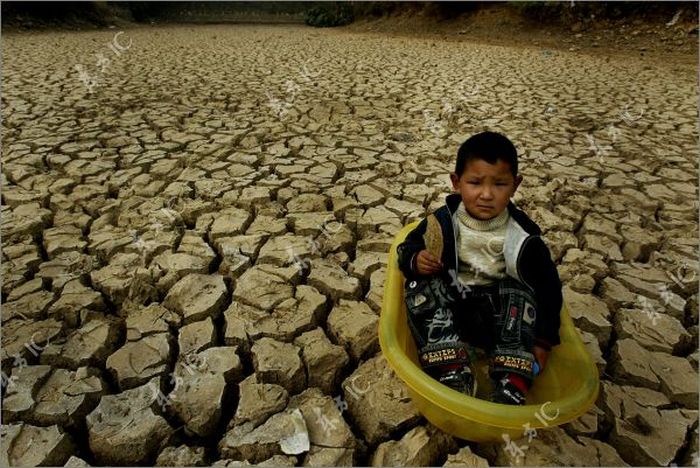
{"points": [[541, 355], [427, 263]]}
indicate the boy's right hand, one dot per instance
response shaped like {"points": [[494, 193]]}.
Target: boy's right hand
{"points": [[427, 263]]}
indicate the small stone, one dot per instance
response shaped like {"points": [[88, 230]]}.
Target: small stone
{"points": [[258, 401], [196, 297], [260, 288], [234, 331], [639, 243], [287, 320], [377, 218], [25, 445], [616, 295], [630, 364], [679, 381], [177, 265], [647, 436], [29, 287], [182, 456], [26, 220], [604, 246], [144, 321], [354, 326], [254, 196], [230, 222], [614, 398], [268, 225], [365, 264], [596, 224], [287, 249], [367, 195], [193, 244], [378, 401], [137, 362], [554, 447], [90, 345], [375, 296], [589, 314], [75, 297], [324, 421], [202, 384], [465, 457], [278, 363], [331, 279], [421, 446], [593, 346], [115, 279], [311, 224], [21, 388], [29, 307], [23, 339], [324, 456], [76, 462], [307, 202], [585, 425], [62, 239], [124, 430], [67, 397], [283, 433], [197, 336], [658, 332], [324, 361]]}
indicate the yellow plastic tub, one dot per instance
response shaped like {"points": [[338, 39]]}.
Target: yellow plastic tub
{"points": [[565, 390]]}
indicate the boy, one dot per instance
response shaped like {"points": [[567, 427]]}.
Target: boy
{"points": [[478, 273]]}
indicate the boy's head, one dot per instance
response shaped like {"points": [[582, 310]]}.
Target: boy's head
{"points": [[486, 174]]}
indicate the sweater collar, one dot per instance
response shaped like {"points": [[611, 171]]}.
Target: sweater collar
{"points": [[479, 224], [454, 199]]}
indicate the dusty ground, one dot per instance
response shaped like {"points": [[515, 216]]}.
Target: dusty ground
{"points": [[194, 240]]}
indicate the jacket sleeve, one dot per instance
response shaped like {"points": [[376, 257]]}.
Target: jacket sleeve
{"points": [[409, 248], [544, 278]]}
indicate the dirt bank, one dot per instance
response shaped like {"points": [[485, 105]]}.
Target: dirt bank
{"points": [[655, 36]]}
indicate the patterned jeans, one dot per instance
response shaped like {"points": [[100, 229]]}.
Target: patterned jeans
{"points": [[499, 318]]}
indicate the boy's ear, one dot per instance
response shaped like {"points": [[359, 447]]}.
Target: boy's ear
{"points": [[518, 179], [455, 181]]}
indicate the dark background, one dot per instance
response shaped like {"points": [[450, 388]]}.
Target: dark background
{"points": [[78, 15]]}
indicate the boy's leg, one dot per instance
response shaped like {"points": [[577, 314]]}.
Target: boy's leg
{"points": [[514, 336], [441, 353], [474, 315]]}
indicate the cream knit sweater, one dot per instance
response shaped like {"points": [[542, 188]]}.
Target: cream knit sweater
{"points": [[480, 248]]}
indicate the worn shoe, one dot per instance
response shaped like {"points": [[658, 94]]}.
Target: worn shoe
{"points": [[461, 380], [507, 393]]}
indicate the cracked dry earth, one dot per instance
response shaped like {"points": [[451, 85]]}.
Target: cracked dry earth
{"points": [[193, 254]]}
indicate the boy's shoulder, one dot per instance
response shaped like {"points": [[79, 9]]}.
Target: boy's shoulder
{"points": [[524, 220]]}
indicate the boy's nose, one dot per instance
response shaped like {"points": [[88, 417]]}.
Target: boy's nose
{"points": [[486, 193]]}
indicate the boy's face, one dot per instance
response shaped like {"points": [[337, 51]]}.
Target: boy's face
{"points": [[485, 188]]}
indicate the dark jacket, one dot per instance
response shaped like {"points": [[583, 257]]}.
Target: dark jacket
{"points": [[526, 256]]}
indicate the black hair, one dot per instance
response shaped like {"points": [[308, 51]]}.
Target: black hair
{"points": [[489, 146]]}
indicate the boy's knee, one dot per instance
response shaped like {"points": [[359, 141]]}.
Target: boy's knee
{"points": [[515, 324]]}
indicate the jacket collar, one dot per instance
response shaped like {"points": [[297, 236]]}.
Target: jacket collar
{"points": [[453, 200]]}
